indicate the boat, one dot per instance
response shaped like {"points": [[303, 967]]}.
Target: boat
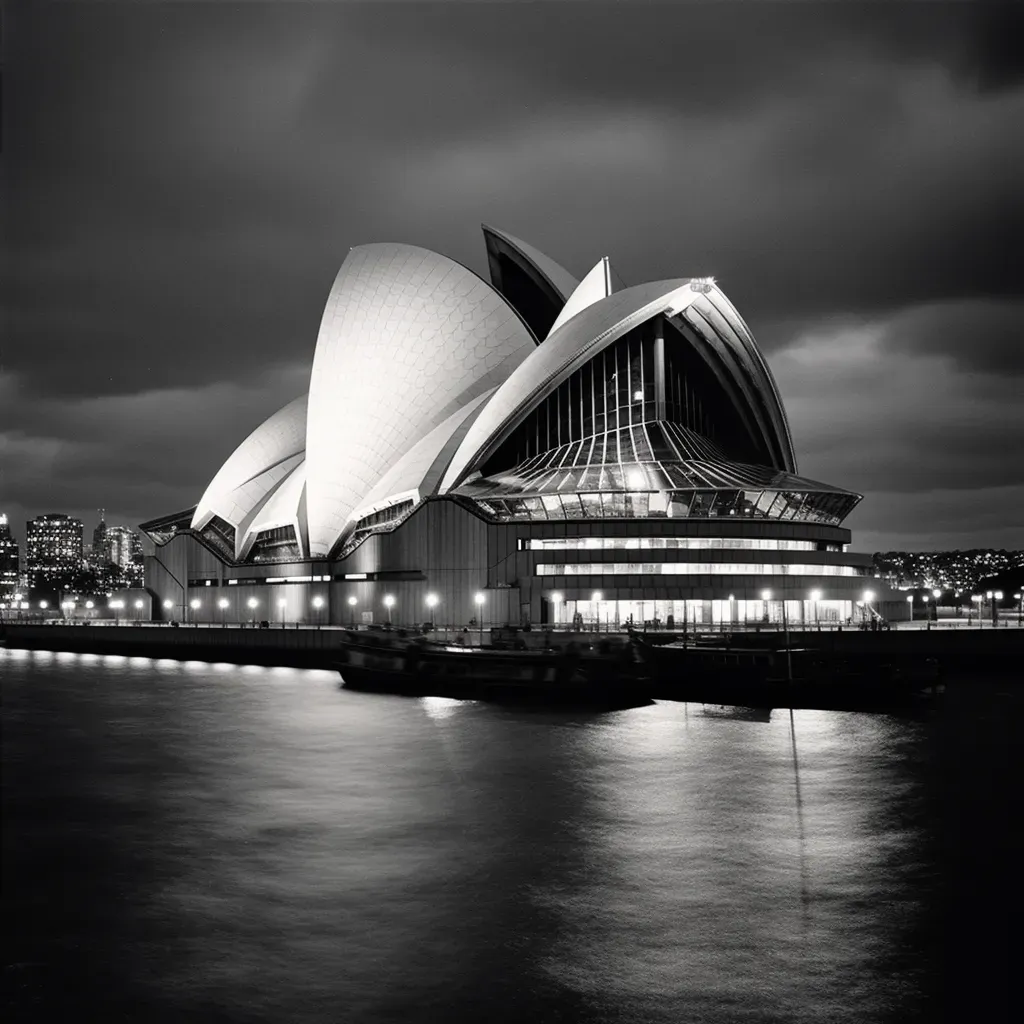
{"points": [[785, 678], [399, 663]]}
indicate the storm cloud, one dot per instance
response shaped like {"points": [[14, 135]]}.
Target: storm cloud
{"points": [[183, 181]]}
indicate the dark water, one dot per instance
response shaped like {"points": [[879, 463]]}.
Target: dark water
{"points": [[191, 842]]}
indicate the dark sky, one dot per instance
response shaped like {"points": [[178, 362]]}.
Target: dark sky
{"points": [[182, 182]]}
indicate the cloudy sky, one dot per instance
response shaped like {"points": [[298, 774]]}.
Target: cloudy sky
{"points": [[182, 182]]}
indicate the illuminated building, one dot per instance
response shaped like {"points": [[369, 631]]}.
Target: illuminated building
{"points": [[53, 547], [10, 574], [571, 450], [124, 550]]}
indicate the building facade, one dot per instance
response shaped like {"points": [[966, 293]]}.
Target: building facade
{"points": [[10, 570], [538, 450], [53, 553], [124, 552]]}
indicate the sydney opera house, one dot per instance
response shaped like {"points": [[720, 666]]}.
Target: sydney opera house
{"points": [[535, 449]]}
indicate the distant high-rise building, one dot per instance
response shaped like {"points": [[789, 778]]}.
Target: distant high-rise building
{"points": [[125, 551], [53, 545], [100, 551], [9, 570]]}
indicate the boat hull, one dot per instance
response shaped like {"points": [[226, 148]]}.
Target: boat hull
{"points": [[545, 679]]}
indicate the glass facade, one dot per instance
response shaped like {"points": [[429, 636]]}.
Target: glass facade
{"points": [[696, 569], [276, 545], [695, 614], [827, 509], [673, 543]]}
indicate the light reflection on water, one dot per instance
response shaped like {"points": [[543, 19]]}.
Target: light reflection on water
{"points": [[250, 844]]}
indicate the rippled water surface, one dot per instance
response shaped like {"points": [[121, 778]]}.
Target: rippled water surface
{"points": [[192, 842]]}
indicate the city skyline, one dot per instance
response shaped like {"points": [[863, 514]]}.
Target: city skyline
{"points": [[852, 186]]}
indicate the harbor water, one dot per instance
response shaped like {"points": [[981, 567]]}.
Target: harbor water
{"points": [[195, 842]]}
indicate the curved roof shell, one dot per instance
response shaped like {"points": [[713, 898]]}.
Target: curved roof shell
{"points": [[255, 467], [568, 348], [407, 338], [711, 325], [533, 283], [418, 472], [282, 507]]}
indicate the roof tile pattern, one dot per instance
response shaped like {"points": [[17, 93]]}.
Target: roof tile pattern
{"points": [[407, 338], [244, 480]]}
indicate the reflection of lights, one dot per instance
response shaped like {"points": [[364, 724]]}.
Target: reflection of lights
{"points": [[635, 480], [441, 707]]}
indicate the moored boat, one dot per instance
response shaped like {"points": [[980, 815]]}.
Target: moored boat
{"points": [[785, 678], [390, 662]]}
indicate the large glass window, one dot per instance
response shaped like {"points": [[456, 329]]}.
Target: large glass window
{"points": [[675, 543], [696, 569]]}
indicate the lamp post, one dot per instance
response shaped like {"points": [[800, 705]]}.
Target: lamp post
{"points": [[389, 603], [352, 601], [556, 600], [432, 604], [318, 603], [869, 596], [479, 599], [195, 605], [253, 604], [138, 611], [89, 607], [117, 606], [68, 606], [998, 595], [766, 596], [222, 604], [282, 604], [596, 598], [978, 599], [168, 605], [910, 602], [732, 611], [936, 593], [815, 599], [1019, 598]]}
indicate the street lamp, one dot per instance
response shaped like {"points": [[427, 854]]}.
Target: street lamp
{"points": [[352, 601], [221, 604], [44, 605], [478, 600], [389, 603], [1019, 598], [253, 603], [117, 606], [766, 596], [556, 600], [282, 604], [596, 598], [195, 605], [138, 610], [978, 598], [318, 603], [910, 601], [432, 600]]}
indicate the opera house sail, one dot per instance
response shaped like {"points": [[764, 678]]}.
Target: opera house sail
{"points": [[539, 449]]}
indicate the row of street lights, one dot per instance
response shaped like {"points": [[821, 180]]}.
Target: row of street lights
{"points": [[432, 601]]}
